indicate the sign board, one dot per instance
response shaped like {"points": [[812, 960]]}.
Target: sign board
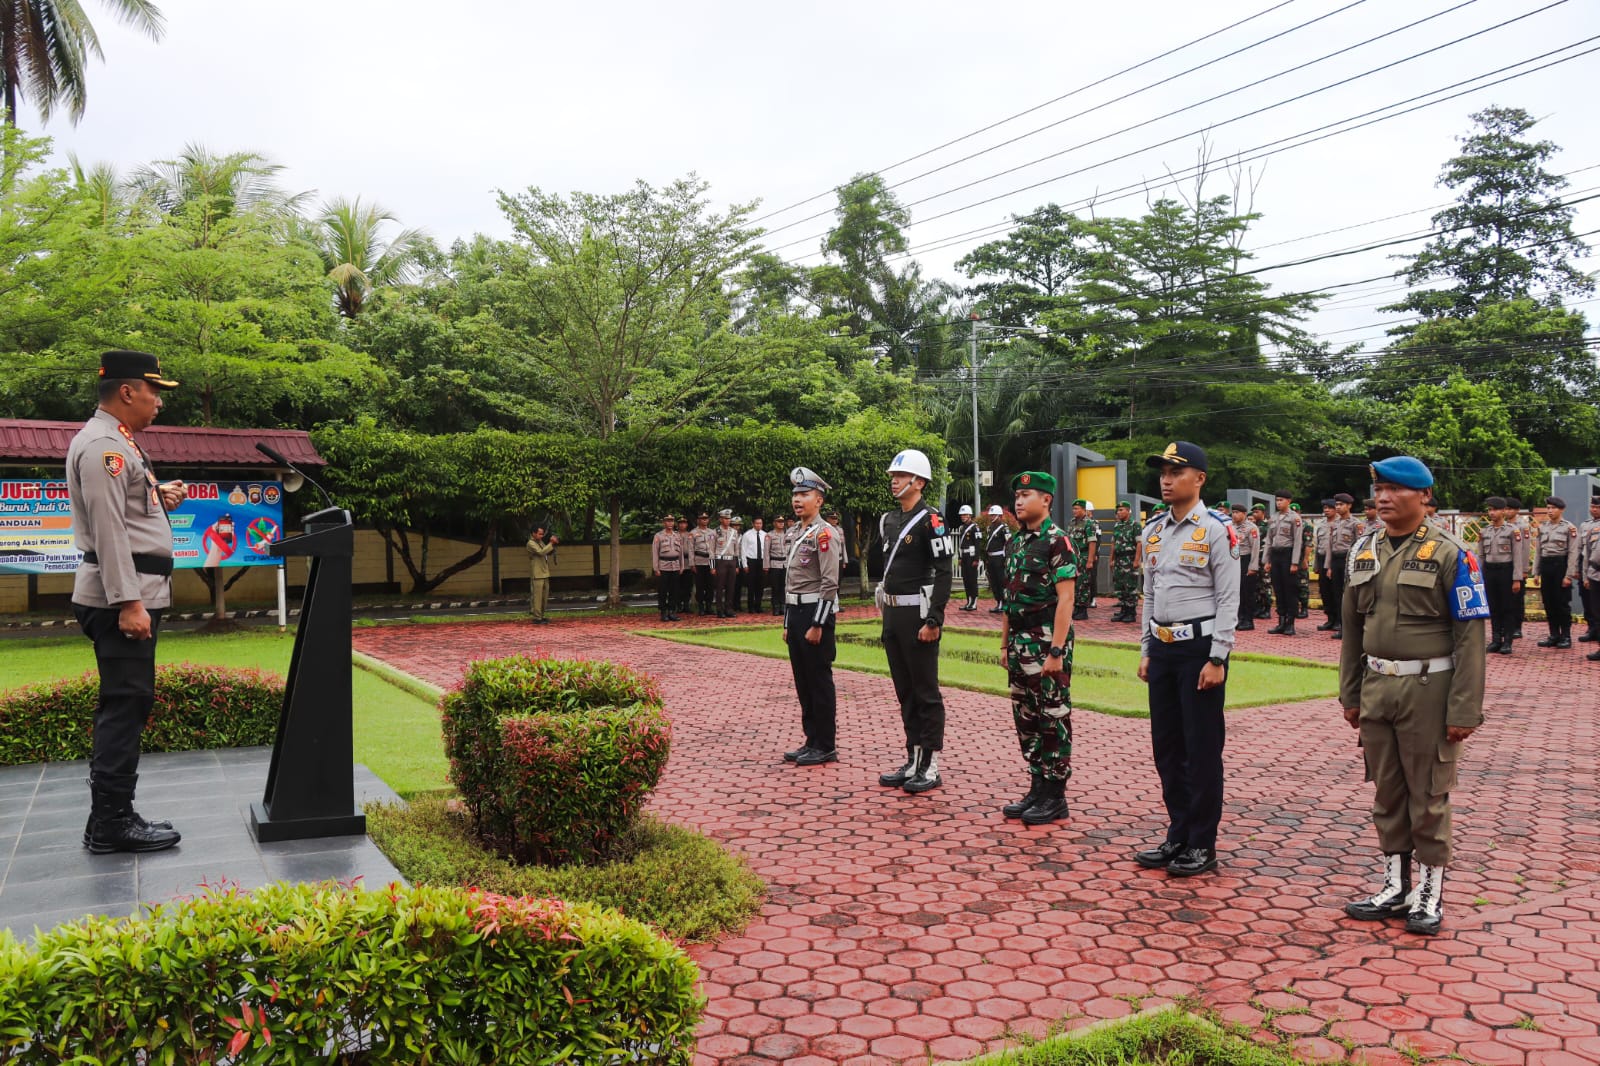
{"points": [[222, 523]]}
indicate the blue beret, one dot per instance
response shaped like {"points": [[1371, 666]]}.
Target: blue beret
{"points": [[1403, 470]]}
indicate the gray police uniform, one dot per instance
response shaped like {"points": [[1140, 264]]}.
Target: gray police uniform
{"points": [[1505, 560], [777, 557], [1558, 560], [1191, 608], [1284, 549], [812, 599], [917, 552], [121, 526], [1589, 567]]}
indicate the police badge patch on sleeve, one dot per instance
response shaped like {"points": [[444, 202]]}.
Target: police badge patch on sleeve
{"points": [[1467, 597], [115, 462]]}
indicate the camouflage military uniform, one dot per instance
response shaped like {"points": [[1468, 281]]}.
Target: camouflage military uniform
{"points": [[1041, 706], [1124, 575], [1081, 533]]}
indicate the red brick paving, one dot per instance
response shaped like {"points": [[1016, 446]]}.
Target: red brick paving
{"points": [[904, 928]]}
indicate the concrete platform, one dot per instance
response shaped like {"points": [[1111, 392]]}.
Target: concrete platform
{"points": [[47, 876]]}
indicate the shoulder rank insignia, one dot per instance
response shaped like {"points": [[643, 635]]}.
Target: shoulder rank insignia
{"points": [[1153, 539], [115, 462], [124, 431]]}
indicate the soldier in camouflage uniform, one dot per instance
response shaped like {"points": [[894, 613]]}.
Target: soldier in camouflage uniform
{"points": [[1304, 555], [1084, 533], [1125, 564], [1041, 569], [1258, 515]]}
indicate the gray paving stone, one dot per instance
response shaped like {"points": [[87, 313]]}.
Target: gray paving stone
{"points": [[99, 890]]}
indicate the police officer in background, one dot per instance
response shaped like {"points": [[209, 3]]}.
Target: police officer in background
{"points": [[777, 556], [1588, 549], [1369, 522], [1341, 536], [1519, 608], [686, 577], [753, 544], [704, 539], [1411, 678], [811, 603], [121, 588], [1258, 518], [1505, 559], [1319, 554], [1036, 645], [1249, 566], [725, 561], [1558, 566], [994, 556], [1125, 563], [667, 559], [968, 545], [917, 553], [1191, 607], [1307, 559], [1284, 544]]}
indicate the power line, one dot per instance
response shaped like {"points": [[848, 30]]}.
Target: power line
{"points": [[1038, 107]]}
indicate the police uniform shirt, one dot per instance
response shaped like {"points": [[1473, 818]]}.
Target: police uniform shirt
{"points": [[1284, 532], [667, 552], [703, 540], [1249, 546], [725, 544], [1559, 540], [1591, 553], [813, 568], [1191, 572], [117, 514], [1322, 540], [1504, 543], [1341, 536], [777, 548], [1399, 605], [921, 563]]}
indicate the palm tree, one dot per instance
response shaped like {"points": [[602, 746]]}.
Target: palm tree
{"points": [[358, 258], [217, 187], [44, 47]]}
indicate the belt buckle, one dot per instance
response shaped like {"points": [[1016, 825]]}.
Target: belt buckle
{"points": [[1386, 667], [1164, 634]]}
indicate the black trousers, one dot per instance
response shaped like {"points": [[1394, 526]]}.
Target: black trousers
{"points": [[914, 668], [667, 591], [755, 584], [775, 583], [1187, 734], [127, 696], [726, 573], [685, 586], [1248, 580], [812, 665], [969, 578], [995, 566], [1519, 607], [1591, 603], [1333, 589], [1497, 579], [703, 597], [1557, 600], [1285, 586]]}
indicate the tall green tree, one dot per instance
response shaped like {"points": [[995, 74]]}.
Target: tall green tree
{"points": [[1034, 268], [45, 47], [359, 257], [1508, 236], [1465, 431]]}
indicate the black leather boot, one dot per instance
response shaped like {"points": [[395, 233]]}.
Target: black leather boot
{"points": [[115, 826], [1051, 806], [1014, 810], [1080, 613], [1393, 900], [1157, 858], [1564, 640], [926, 776], [896, 778]]}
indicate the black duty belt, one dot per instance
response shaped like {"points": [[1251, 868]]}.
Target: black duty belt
{"points": [[1032, 619], [158, 565]]}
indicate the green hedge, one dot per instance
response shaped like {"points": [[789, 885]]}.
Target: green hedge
{"points": [[196, 707], [333, 973], [553, 757]]}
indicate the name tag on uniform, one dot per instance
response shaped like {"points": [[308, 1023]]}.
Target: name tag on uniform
{"points": [[1428, 566]]}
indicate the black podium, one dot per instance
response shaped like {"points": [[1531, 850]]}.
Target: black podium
{"points": [[310, 784]]}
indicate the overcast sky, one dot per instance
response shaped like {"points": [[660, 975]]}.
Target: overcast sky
{"points": [[429, 108]]}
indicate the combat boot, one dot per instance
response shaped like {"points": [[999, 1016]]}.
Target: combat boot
{"points": [[1246, 626], [1014, 810], [1593, 656], [1427, 909], [1051, 806], [1564, 639], [1080, 613], [1288, 626], [1278, 629], [1393, 900], [896, 778], [115, 826], [926, 777], [1551, 640]]}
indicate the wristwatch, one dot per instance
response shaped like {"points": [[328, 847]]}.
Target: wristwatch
{"points": [[1216, 661], [1059, 653]]}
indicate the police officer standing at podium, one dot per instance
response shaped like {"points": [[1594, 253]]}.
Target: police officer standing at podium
{"points": [[119, 519], [1191, 607]]}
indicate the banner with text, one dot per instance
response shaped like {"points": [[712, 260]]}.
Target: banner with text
{"points": [[222, 523]]}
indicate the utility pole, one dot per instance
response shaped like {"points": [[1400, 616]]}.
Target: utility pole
{"points": [[977, 487]]}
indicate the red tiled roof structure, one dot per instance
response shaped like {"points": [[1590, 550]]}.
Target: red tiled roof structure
{"points": [[28, 440]]}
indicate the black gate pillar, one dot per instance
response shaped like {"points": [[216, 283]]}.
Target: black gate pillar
{"points": [[310, 783]]}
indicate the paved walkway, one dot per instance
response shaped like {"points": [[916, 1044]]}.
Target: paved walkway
{"points": [[905, 928]]}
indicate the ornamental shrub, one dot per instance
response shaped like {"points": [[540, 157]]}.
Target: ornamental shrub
{"points": [[196, 707], [334, 973], [553, 757]]}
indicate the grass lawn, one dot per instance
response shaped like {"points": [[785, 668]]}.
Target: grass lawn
{"points": [[396, 728], [1104, 674]]}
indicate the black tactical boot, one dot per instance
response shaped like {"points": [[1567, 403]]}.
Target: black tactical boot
{"points": [[1324, 627], [1247, 625], [1288, 627], [1080, 613], [1393, 900], [1158, 857], [114, 826], [1051, 806], [896, 778], [1014, 810], [1427, 910], [1278, 629], [926, 777], [1564, 640]]}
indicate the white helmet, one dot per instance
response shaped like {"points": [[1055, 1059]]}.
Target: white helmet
{"points": [[966, 510], [912, 462], [996, 510]]}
